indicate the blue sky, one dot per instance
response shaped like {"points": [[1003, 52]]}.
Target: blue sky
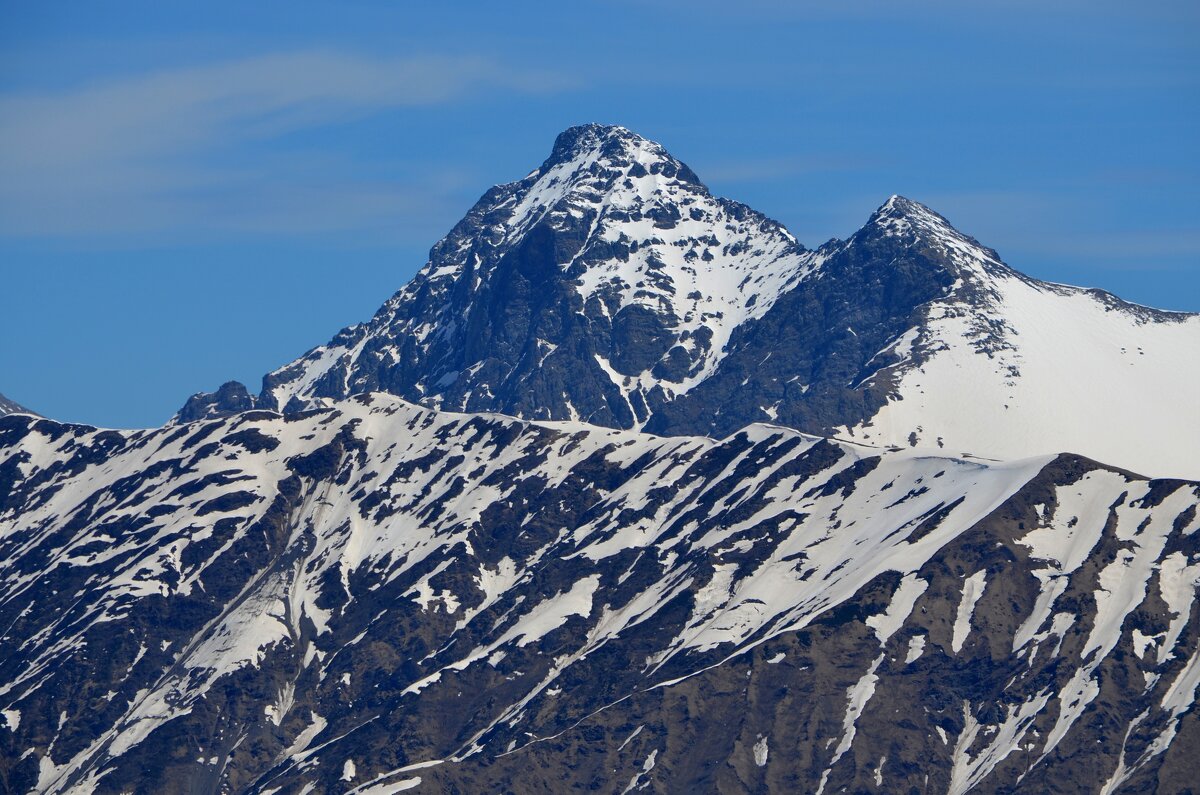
{"points": [[194, 192]]}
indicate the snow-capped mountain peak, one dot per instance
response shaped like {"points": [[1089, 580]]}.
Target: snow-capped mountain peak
{"points": [[602, 284], [1004, 365], [610, 141], [901, 214], [670, 238], [599, 166], [610, 286], [904, 222]]}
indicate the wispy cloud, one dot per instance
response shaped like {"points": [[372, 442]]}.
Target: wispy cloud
{"points": [[161, 150]]}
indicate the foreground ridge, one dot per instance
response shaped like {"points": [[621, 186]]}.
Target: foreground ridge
{"points": [[380, 594]]}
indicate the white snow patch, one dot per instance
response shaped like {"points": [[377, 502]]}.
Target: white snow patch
{"points": [[916, 647], [969, 770], [1078, 375], [889, 622], [761, 751], [857, 697], [629, 739], [389, 789], [972, 589]]}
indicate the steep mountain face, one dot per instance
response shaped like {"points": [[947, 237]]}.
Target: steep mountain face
{"points": [[600, 286], [609, 286], [377, 597], [11, 407]]}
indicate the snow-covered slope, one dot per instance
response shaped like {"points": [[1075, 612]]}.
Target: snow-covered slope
{"points": [[1005, 366], [913, 334], [609, 286], [377, 596]]}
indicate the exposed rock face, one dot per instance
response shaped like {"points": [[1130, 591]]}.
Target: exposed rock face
{"points": [[231, 398], [596, 288], [609, 286], [383, 594]]}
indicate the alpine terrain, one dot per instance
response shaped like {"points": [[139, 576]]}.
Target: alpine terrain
{"points": [[629, 491], [609, 286]]}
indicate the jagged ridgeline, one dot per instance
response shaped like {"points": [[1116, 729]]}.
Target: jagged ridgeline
{"points": [[379, 597], [610, 286]]}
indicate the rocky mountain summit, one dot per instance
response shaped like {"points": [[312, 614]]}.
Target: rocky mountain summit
{"points": [[609, 286], [610, 258], [379, 597]]}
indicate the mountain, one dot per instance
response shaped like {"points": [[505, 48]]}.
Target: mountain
{"points": [[610, 286], [629, 490], [913, 334], [11, 407], [610, 258], [380, 597]]}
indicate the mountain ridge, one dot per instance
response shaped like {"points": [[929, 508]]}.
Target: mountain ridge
{"points": [[382, 594], [609, 286]]}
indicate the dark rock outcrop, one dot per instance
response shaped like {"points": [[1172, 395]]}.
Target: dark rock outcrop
{"points": [[231, 398]]}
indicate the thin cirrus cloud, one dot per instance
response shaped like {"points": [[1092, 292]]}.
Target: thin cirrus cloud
{"points": [[160, 152]]}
